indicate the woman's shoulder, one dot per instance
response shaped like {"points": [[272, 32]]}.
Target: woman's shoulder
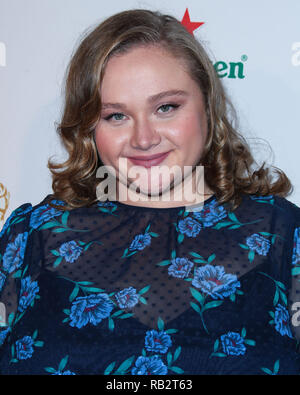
{"points": [[22, 218], [274, 208]]}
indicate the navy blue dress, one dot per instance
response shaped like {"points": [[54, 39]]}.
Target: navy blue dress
{"points": [[115, 289]]}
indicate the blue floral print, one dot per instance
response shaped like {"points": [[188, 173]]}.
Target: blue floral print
{"points": [[43, 214], [296, 249], [280, 289], [149, 365], [140, 242], [28, 291], [189, 226], [213, 280], [24, 347], [275, 369], [74, 287], [263, 199], [107, 207], [14, 253], [90, 309], [70, 251], [233, 344], [16, 216], [60, 371], [127, 298], [157, 341], [180, 267], [258, 243], [2, 280], [281, 320], [107, 204], [64, 373], [3, 335], [99, 305], [210, 213]]}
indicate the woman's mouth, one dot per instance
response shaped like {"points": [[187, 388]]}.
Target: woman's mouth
{"points": [[148, 161]]}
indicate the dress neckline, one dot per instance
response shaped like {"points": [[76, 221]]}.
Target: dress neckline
{"points": [[143, 208]]}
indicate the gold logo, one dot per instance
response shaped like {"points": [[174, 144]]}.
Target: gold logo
{"points": [[4, 202]]}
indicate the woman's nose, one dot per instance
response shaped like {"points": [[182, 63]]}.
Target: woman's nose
{"points": [[144, 134]]}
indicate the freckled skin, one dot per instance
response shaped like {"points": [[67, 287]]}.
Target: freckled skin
{"points": [[144, 128]]}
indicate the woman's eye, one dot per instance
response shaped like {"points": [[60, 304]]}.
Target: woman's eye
{"points": [[167, 106], [117, 116], [114, 115]]}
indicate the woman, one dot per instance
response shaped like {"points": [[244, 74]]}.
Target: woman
{"points": [[140, 286]]}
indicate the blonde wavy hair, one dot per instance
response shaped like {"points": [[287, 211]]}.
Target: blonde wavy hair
{"points": [[230, 168]]}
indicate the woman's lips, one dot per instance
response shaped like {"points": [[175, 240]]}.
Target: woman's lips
{"points": [[150, 162]]}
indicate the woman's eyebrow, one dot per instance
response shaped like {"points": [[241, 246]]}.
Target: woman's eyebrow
{"points": [[150, 99]]}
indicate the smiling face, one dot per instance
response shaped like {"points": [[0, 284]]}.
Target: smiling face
{"points": [[150, 105]]}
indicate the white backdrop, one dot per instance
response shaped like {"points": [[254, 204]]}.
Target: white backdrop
{"points": [[37, 38]]}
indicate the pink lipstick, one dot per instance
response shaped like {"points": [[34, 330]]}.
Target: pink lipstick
{"points": [[148, 161]]}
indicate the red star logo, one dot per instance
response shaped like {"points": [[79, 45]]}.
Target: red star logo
{"points": [[190, 26]]}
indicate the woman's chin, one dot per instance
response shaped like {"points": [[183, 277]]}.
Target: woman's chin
{"points": [[146, 192]]}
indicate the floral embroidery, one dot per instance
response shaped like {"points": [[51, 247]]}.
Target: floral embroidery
{"points": [[127, 298], [107, 207], [23, 348], [14, 253], [279, 290], [211, 213], [149, 365], [60, 371], [44, 213], [210, 286], [57, 226], [189, 226], [232, 343], [206, 217], [275, 369], [213, 280], [28, 292], [99, 305], [140, 242], [282, 320], [258, 243], [263, 199], [3, 335], [15, 217], [90, 309], [155, 342], [296, 253], [107, 204], [2, 280], [180, 267], [70, 251]]}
